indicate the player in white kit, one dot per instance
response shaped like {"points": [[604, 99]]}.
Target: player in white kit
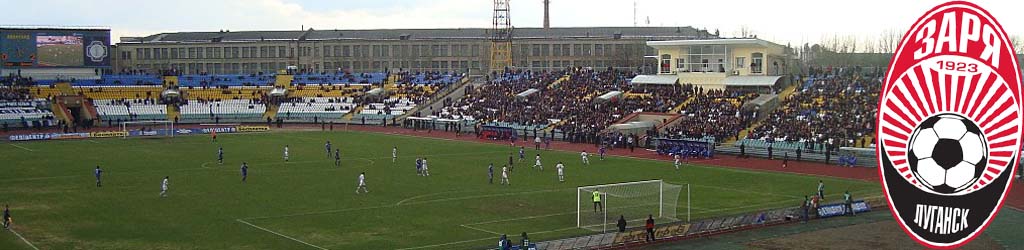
{"points": [[285, 152], [362, 183], [504, 175], [676, 161], [586, 157], [536, 165], [561, 172]]}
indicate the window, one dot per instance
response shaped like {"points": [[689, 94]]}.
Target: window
{"points": [[681, 64], [599, 50], [666, 64], [755, 63], [536, 51], [345, 51], [475, 50], [741, 62]]}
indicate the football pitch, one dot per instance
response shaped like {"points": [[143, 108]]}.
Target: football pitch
{"points": [[308, 203]]}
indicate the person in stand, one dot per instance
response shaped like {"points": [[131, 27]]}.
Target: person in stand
{"points": [[536, 142], [650, 228], [98, 172], [622, 224], [770, 151], [785, 159], [743, 151], [799, 152]]}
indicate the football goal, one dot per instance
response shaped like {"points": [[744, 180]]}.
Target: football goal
{"points": [[148, 128], [634, 201]]}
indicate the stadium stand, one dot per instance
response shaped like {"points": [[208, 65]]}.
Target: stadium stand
{"points": [[837, 110], [713, 113], [320, 108], [233, 110], [338, 78], [130, 110], [225, 80]]}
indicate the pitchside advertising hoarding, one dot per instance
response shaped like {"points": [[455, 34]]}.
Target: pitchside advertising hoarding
{"points": [[54, 48], [137, 133], [949, 125]]}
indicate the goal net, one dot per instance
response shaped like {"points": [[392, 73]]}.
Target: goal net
{"points": [[632, 200], [148, 128]]}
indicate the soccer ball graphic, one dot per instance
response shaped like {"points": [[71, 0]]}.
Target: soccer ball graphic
{"points": [[947, 153]]}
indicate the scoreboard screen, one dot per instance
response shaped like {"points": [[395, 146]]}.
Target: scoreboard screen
{"points": [[54, 48]]}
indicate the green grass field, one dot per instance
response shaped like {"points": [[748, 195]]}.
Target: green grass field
{"points": [[309, 204]]}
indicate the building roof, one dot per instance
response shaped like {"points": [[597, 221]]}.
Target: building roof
{"points": [[651, 33], [746, 81], [721, 41], [656, 79]]}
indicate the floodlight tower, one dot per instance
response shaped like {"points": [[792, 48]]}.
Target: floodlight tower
{"points": [[501, 37]]}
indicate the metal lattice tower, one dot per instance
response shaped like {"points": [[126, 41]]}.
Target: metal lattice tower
{"points": [[501, 37]]}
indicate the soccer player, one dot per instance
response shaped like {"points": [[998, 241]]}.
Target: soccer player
{"points": [[601, 152], [511, 164], [522, 154], [504, 175], [538, 163], [164, 186], [213, 133], [597, 201], [821, 190], [676, 161], [426, 171], [490, 173], [419, 166], [7, 216], [327, 147], [285, 152], [220, 155], [245, 171], [98, 172], [337, 157], [561, 172], [586, 157], [394, 154], [362, 183]]}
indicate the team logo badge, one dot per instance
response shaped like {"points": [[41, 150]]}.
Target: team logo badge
{"points": [[96, 51], [949, 125]]}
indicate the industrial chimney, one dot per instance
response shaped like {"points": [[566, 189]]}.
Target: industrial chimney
{"points": [[547, 14]]}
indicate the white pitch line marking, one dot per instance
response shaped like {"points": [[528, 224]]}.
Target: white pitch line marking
{"points": [[279, 234], [19, 146], [23, 239]]}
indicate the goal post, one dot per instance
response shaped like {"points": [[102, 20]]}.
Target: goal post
{"points": [[634, 201], [148, 128]]}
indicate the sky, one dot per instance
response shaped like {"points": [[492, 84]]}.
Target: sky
{"points": [[781, 21]]}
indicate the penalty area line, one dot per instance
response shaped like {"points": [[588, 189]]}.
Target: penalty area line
{"points": [[279, 234]]}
